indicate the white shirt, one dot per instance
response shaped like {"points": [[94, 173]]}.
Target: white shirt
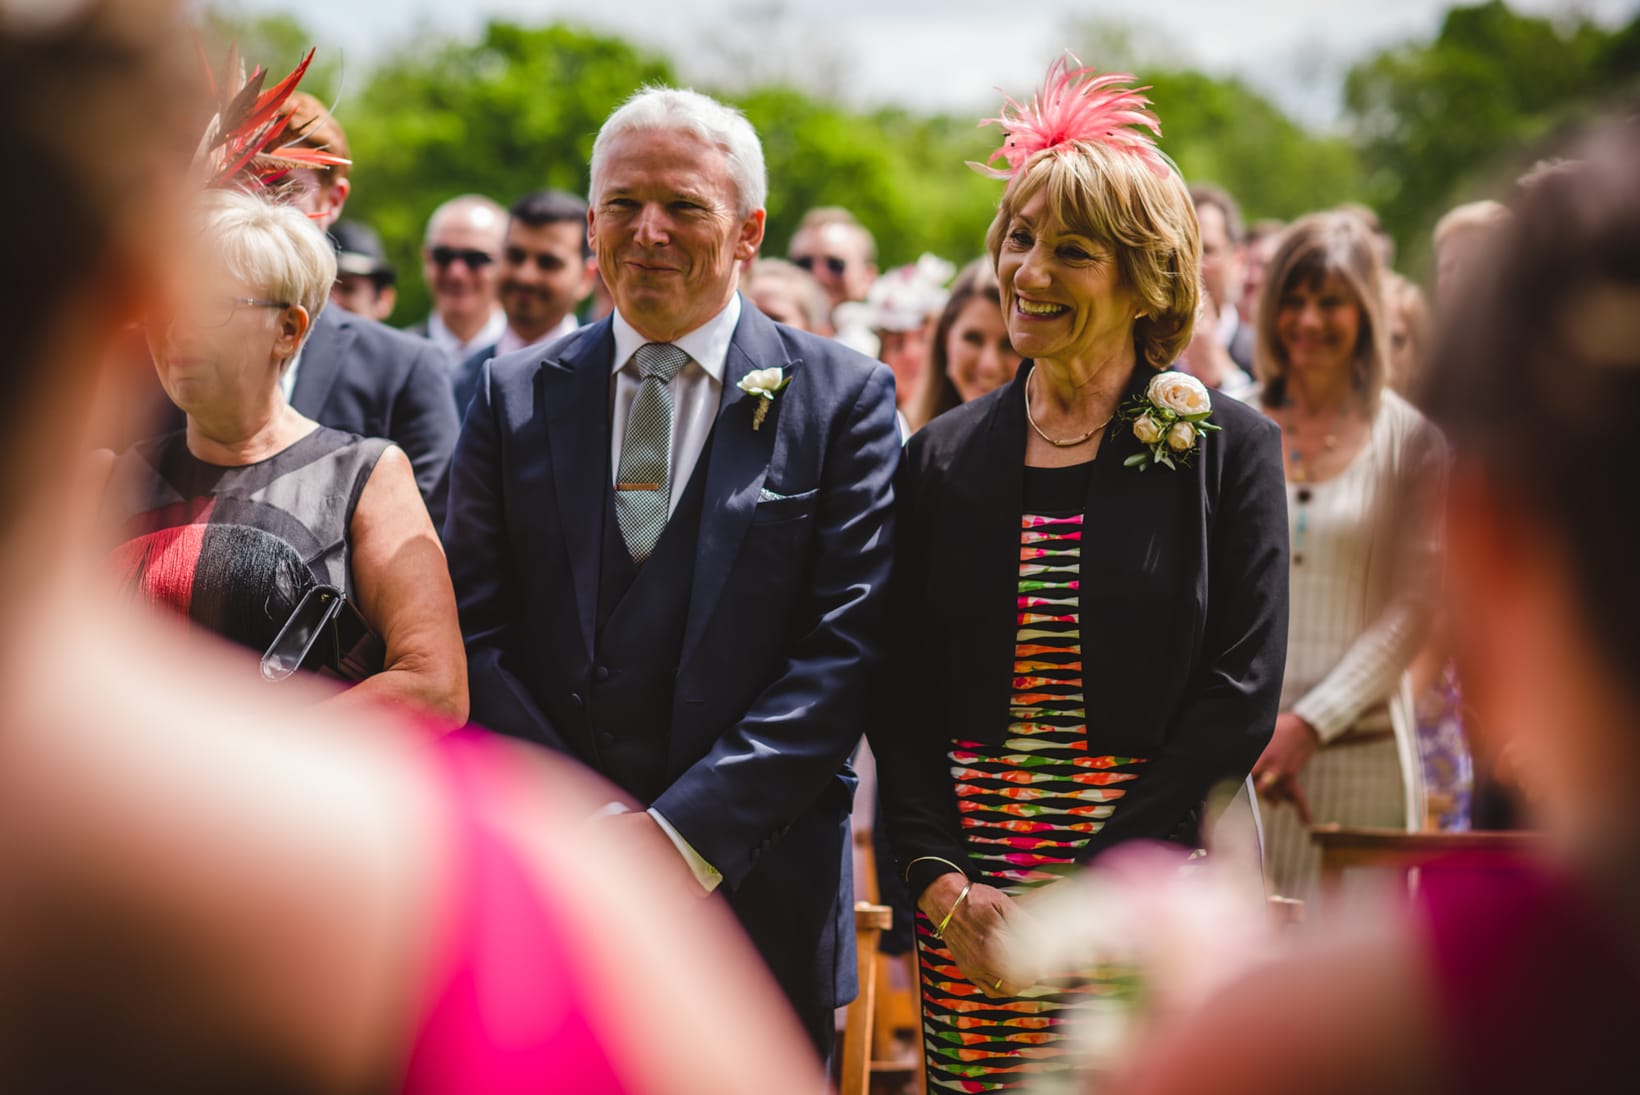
{"points": [[696, 390], [1360, 596], [287, 382], [1229, 323], [511, 340], [452, 344]]}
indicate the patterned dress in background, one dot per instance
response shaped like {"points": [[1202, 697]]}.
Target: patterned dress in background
{"points": [[1027, 807]]}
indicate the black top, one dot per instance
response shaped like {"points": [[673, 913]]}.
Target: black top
{"points": [[1184, 570], [1057, 492], [305, 494]]}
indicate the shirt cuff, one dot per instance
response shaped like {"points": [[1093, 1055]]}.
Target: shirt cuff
{"points": [[707, 875]]}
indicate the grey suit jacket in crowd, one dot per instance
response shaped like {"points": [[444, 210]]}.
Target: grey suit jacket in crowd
{"points": [[364, 377]]}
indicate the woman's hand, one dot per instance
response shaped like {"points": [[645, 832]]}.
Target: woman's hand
{"points": [[978, 934], [1276, 773]]}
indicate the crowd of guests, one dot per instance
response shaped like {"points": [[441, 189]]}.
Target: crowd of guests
{"points": [[614, 558]]}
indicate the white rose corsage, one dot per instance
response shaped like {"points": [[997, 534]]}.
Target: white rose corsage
{"points": [[1169, 420], [763, 385]]}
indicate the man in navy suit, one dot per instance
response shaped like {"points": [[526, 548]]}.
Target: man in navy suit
{"points": [[678, 581]]}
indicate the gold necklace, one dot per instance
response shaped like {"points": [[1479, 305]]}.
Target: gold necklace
{"points": [[1058, 443], [1300, 462]]}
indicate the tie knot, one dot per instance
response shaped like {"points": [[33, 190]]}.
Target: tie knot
{"points": [[660, 359]]}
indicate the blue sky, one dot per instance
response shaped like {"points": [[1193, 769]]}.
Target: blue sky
{"points": [[938, 54]]}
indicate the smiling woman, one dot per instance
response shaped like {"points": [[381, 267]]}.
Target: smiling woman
{"points": [[1363, 475], [1083, 651]]}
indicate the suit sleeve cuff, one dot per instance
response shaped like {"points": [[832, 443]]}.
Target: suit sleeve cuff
{"points": [[707, 875]]}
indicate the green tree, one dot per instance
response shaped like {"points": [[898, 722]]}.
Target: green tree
{"points": [[276, 42], [1221, 130], [515, 111], [1436, 121]]}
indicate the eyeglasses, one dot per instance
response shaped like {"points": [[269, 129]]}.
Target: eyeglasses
{"points": [[832, 263], [474, 258], [206, 312]]}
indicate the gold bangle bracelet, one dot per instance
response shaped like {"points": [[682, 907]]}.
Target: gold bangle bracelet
{"points": [[932, 859], [939, 932]]}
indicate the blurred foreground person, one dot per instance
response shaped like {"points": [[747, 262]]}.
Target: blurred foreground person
{"points": [[1524, 976], [203, 888]]}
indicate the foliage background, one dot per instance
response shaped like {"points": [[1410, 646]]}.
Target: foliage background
{"points": [[1425, 124]]}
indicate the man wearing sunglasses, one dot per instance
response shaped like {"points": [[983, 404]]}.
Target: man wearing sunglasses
{"points": [[546, 271], [459, 259], [838, 250]]}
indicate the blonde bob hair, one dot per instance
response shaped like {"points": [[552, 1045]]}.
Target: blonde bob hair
{"points": [[273, 248], [1147, 219]]}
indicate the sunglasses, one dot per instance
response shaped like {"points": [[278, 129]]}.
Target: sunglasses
{"points": [[831, 262], [474, 259]]}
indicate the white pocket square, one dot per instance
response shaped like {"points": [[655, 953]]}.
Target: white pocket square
{"points": [[767, 495]]}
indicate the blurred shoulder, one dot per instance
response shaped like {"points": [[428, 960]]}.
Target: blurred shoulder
{"points": [[840, 363]]}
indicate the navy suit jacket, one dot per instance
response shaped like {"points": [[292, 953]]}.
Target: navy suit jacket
{"points": [[366, 378], [785, 625]]}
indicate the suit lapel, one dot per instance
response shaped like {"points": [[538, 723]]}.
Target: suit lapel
{"points": [[737, 465], [573, 400], [321, 362]]}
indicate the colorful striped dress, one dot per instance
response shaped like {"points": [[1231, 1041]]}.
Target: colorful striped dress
{"points": [[1027, 807]]}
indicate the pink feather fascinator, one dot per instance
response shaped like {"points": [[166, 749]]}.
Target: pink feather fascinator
{"points": [[250, 142], [1076, 104]]}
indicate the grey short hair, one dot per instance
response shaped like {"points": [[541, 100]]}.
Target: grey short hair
{"points": [[272, 247], [662, 108]]}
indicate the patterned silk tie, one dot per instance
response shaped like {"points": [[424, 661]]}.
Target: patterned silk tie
{"points": [[643, 483]]}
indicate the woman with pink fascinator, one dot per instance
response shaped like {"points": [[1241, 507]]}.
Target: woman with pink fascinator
{"points": [[1091, 581]]}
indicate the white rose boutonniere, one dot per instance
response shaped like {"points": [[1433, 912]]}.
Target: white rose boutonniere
{"points": [[1170, 420], [763, 385]]}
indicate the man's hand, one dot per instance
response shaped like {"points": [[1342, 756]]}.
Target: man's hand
{"points": [[978, 934], [1276, 774]]}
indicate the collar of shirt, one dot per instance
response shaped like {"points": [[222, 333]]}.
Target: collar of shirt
{"points": [[511, 340], [707, 345], [451, 343], [287, 382]]}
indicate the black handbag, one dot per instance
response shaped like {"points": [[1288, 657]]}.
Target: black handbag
{"points": [[325, 634]]}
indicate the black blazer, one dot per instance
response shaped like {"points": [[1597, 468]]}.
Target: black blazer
{"points": [[366, 378], [786, 618], [1183, 608]]}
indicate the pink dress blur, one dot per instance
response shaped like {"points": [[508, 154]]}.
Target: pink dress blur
{"points": [[504, 1010]]}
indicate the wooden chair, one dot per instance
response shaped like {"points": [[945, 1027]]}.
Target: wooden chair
{"points": [[896, 1006], [1347, 849], [870, 921]]}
